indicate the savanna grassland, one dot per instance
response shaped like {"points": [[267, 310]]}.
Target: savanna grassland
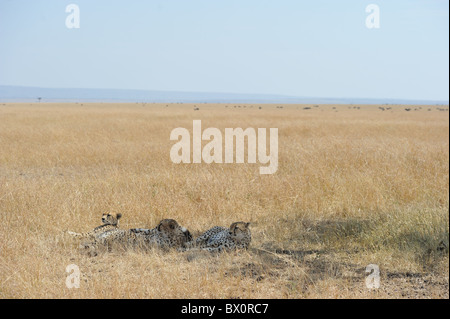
{"points": [[355, 186]]}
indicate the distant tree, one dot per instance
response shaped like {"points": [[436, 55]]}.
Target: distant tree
{"points": [[39, 99]]}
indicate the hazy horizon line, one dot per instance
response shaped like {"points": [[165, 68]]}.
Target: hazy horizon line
{"points": [[13, 93]]}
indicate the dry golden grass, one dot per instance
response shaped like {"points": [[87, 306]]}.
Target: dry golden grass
{"points": [[354, 187]]}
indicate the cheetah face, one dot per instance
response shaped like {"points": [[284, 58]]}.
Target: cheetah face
{"points": [[111, 219], [171, 229], [167, 225], [240, 230]]}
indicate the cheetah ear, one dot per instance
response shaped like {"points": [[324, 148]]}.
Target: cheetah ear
{"points": [[118, 216], [159, 226], [247, 224]]}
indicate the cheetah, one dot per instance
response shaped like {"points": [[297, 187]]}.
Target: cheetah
{"points": [[218, 239], [167, 234], [109, 222]]}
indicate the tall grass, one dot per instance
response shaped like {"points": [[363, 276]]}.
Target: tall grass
{"points": [[353, 187]]}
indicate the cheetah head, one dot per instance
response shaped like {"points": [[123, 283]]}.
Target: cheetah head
{"points": [[111, 219], [172, 230], [240, 230]]}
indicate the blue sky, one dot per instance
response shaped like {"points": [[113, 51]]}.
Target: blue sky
{"points": [[290, 47]]}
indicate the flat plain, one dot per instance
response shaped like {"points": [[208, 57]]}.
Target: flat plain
{"points": [[356, 185]]}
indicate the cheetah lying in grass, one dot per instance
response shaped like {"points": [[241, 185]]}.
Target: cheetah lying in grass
{"points": [[218, 239], [167, 234], [109, 222]]}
